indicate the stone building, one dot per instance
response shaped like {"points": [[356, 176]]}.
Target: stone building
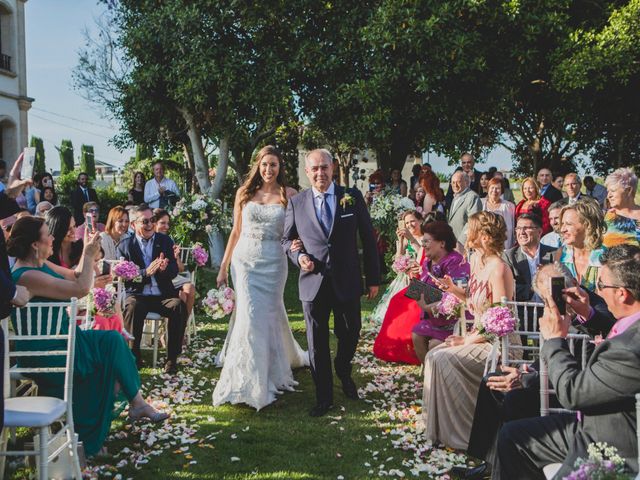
{"points": [[14, 102]]}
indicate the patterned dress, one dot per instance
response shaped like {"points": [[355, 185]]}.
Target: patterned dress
{"points": [[590, 277], [620, 230]]}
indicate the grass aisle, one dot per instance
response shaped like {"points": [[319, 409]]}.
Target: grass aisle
{"points": [[362, 439]]}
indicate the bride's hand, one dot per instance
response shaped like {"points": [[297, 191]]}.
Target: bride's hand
{"points": [[297, 245], [454, 340], [222, 278]]}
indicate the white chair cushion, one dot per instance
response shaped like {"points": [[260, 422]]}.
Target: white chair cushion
{"points": [[33, 411], [154, 316], [551, 470]]}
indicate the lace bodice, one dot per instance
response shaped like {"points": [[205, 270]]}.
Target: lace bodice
{"points": [[263, 222]]}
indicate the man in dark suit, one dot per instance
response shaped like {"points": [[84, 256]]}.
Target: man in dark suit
{"points": [[153, 253], [81, 195], [328, 218], [467, 162], [604, 391], [547, 190]]}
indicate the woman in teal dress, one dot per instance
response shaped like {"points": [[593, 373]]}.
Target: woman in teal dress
{"points": [[582, 228], [623, 216], [104, 365]]}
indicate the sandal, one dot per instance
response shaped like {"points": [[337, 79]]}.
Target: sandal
{"points": [[142, 412]]}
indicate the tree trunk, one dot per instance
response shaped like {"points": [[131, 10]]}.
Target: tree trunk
{"points": [[188, 155], [197, 148], [221, 170], [535, 149]]}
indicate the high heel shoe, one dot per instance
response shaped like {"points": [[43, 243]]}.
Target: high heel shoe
{"points": [[138, 413]]}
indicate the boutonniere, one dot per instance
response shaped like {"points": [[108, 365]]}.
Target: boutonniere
{"points": [[346, 200]]}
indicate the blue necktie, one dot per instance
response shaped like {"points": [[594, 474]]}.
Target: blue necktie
{"points": [[325, 214]]}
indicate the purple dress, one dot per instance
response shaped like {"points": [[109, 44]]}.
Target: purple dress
{"points": [[454, 265]]}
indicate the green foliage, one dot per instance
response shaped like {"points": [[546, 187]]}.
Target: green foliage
{"points": [[65, 184], [66, 157], [40, 166], [88, 161], [109, 197]]}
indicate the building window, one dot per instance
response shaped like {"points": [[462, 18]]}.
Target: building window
{"points": [[6, 39], [1, 143]]}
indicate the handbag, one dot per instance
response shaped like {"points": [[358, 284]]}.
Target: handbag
{"points": [[418, 287]]}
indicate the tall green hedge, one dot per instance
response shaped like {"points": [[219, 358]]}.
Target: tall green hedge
{"points": [[88, 161], [40, 166], [66, 157]]}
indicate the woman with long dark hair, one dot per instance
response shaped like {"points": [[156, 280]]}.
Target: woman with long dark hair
{"points": [[62, 226], [135, 195], [260, 350]]}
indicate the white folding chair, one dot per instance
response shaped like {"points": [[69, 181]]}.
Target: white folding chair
{"points": [[44, 321], [186, 253]]}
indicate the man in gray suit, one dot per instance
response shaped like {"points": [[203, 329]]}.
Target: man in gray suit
{"points": [[328, 219], [465, 203], [604, 391]]}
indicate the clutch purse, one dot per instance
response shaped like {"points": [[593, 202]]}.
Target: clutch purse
{"points": [[417, 288]]}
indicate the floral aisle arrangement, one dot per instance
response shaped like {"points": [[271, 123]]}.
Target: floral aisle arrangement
{"points": [[128, 271], [104, 299], [196, 216], [603, 463], [200, 255], [385, 209], [497, 321], [219, 302]]}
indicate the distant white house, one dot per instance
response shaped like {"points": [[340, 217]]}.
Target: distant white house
{"points": [[14, 102]]}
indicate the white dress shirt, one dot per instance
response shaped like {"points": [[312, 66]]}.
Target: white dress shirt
{"points": [[147, 256], [152, 193], [533, 262]]}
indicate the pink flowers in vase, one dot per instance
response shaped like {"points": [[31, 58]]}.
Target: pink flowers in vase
{"points": [[200, 255], [402, 263], [104, 299], [128, 271], [497, 320], [219, 302], [449, 306]]}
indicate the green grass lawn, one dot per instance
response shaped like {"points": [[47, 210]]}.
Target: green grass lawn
{"points": [[354, 441]]}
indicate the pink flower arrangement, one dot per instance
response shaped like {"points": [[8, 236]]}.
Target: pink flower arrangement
{"points": [[402, 263], [104, 299], [449, 306], [127, 270], [498, 320], [219, 302], [200, 255]]}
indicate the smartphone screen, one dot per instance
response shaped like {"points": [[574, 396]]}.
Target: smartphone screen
{"points": [[105, 268], [557, 285], [28, 163], [89, 222]]}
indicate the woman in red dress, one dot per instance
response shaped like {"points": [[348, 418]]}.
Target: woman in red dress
{"points": [[394, 342], [532, 202]]}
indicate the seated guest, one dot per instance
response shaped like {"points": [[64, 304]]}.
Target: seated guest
{"points": [[623, 218], [494, 202], [153, 253], [532, 202], [525, 258], [393, 342], [453, 371], [49, 195], [92, 209], [465, 202], [103, 364], [42, 208], [604, 391], [62, 226], [441, 259], [186, 289], [115, 230], [582, 229], [553, 238], [595, 190], [514, 393]]}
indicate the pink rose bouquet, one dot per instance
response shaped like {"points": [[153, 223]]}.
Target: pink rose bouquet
{"points": [[497, 320], [128, 271], [200, 255], [219, 302], [104, 299], [449, 306], [402, 263]]}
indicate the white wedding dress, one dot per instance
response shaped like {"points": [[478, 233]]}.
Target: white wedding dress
{"points": [[259, 351]]}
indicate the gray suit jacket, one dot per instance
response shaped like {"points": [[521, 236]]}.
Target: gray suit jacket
{"points": [[519, 266], [337, 256], [463, 206], [604, 392]]}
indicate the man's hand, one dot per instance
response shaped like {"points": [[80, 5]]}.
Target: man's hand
{"points": [[306, 263], [578, 300], [22, 296], [505, 383], [161, 190], [373, 292], [552, 324], [164, 262]]}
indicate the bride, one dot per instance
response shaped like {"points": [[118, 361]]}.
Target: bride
{"points": [[259, 351]]}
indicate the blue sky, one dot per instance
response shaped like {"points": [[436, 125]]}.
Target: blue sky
{"points": [[54, 34]]}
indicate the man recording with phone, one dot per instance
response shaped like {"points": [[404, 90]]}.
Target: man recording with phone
{"points": [[604, 391]]}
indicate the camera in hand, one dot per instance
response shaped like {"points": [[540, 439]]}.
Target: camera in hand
{"points": [[557, 286]]}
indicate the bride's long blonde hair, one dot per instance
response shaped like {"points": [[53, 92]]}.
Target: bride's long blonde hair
{"points": [[253, 180]]}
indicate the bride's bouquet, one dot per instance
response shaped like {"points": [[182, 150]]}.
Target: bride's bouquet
{"points": [[219, 302]]}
